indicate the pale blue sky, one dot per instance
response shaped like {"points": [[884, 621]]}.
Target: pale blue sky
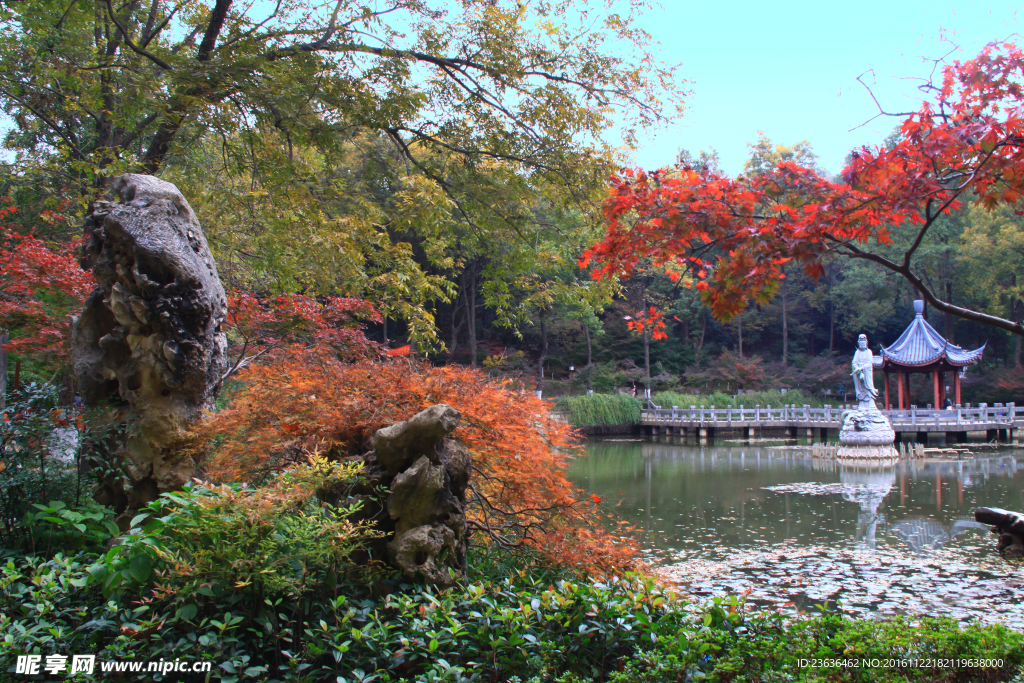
{"points": [[790, 69]]}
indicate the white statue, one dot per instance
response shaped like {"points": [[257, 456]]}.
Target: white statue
{"points": [[863, 374], [865, 426]]}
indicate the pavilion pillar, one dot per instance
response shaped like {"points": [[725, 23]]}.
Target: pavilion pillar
{"points": [[899, 389], [935, 389], [956, 387], [888, 404]]}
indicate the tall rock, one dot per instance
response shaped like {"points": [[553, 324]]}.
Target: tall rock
{"points": [[148, 346]]}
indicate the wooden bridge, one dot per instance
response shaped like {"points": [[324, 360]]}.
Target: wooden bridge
{"points": [[997, 421]]}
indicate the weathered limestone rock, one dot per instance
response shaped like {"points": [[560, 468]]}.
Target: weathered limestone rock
{"points": [[396, 446], [423, 518], [1009, 526], [148, 343]]}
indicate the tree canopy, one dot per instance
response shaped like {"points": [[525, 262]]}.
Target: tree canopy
{"points": [[348, 148], [736, 234]]}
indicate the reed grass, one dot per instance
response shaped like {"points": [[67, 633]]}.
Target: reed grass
{"points": [[594, 410]]}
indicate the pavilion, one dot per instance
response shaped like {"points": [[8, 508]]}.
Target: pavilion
{"points": [[921, 349]]}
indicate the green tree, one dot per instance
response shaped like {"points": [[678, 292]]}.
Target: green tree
{"points": [[992, 249], [765, 156], [333, 145]]}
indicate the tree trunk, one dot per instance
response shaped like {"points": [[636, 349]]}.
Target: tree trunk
{"points": [[1018, 309], [831, 327], [590, 348], [831, 318], [590, 356], [739, 326], [384, 323], [4, 338], [647, 359], [948, 318], [699, 344], [785, 326], [471, 313], [455, 323], [543, 347]]}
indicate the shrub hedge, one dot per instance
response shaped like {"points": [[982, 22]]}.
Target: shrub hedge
{"points": [[516, 620]]}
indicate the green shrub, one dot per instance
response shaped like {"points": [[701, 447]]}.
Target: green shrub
{"points": [[719, 399], [41, 460], [531, 625], [259, 583]]}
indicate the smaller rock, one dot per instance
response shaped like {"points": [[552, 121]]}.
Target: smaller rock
{"points": [[413, 499], [423, 550]]}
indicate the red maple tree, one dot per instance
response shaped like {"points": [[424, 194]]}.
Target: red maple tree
{"points": [[307, 401], [40, 288], [733, 234], [258, 326]]}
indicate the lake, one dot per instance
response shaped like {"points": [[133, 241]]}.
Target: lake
{"points": [[795, 531]]}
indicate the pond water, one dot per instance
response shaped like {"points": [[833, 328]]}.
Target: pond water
{"points": [[796, 531]]}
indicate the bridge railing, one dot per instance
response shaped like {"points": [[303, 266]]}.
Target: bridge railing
{"points": [[997, 414]]}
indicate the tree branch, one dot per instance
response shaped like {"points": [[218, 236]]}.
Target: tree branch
{"points": [[213, 29], [929, 296], [127, 41]]}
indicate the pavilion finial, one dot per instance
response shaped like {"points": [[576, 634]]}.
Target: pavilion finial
{"points": [[919, 307]]}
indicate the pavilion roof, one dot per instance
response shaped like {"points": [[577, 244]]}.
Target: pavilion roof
{"points": [[920, 344]]}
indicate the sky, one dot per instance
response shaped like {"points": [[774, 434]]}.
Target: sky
{"points": [[790, 69]]}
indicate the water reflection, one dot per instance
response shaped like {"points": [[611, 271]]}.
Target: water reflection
{"points": [[868, 488], [924, 534], [714, 500]]}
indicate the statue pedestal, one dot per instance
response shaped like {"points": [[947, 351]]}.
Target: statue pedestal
{"points": [[866, 435]]}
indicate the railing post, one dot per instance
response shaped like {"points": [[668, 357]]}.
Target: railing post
{"points": [[674, 409], [959, 414], [807, 412], [757, 413], [693, 410], [913, 415], [702, 413], [1012, 412]]}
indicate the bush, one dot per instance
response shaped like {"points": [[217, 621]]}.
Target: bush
{"points": [[772, 398], [42, 446], [533, 624], [306, 403]]}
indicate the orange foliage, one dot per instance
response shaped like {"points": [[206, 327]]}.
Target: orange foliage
{"points": [[307, 401]]}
